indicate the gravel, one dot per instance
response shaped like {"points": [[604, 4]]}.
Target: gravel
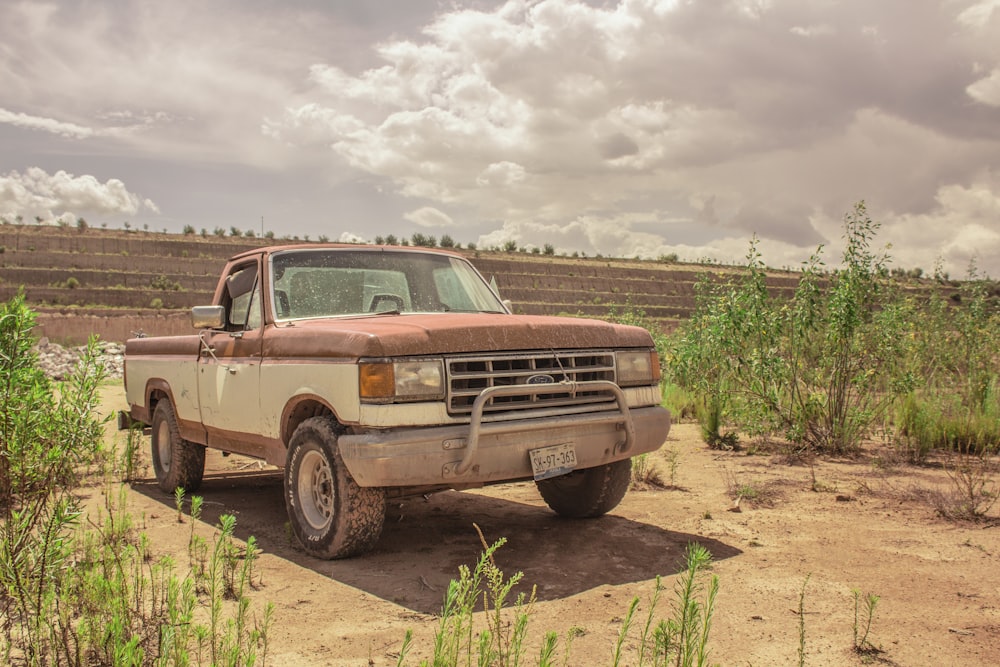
{"points": [[58, 362]]}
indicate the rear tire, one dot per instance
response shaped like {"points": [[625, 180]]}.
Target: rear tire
{"points": [[329, 513], [587, 493], [177, 462]]}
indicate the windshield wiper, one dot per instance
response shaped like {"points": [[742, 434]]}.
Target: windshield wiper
{"points": [[484, 312]]}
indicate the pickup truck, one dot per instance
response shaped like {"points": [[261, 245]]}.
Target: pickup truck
{"points": [[372, 372]]}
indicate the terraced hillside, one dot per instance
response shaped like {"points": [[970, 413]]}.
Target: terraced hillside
{"points": [[113, 283]]}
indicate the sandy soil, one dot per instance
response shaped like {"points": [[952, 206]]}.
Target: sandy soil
{"points": [[844, 525]]}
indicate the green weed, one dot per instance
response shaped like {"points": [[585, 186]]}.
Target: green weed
{"points": [[90, 592], [644, 472], [864, 615], [680, 640], [821, 369]]}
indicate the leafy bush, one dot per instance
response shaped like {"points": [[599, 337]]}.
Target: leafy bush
{"points": [[944, 422], [957, 405], [822, 369], [44, 440], [682, 403], [162, 282], [74, 597]]}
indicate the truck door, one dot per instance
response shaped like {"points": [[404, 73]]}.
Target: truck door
{"points": [[229, 365]]}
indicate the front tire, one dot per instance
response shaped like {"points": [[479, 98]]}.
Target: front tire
{"points": [[329, 513], [587, 493], [177, 462]]}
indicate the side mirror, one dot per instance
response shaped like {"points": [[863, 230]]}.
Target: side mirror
{"points": [[208, 317]]}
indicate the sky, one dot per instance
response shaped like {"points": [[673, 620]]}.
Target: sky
{"points": [[636, 128]]}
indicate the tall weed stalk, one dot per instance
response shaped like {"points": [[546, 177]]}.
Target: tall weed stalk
{"points": [[679, 641]]}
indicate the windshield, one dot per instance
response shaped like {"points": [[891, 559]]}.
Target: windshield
{"points": [[337, 282]]}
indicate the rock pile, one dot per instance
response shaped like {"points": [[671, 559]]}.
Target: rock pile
{"points": [[58, 362]]}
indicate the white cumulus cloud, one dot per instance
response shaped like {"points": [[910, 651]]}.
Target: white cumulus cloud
{"points": [[35, 192], [430, 217], [987, 89]]}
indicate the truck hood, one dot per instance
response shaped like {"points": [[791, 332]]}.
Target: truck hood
{"points": [[443, 333]]}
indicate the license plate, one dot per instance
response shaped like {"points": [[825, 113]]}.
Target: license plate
{"points": [[553, 461]]}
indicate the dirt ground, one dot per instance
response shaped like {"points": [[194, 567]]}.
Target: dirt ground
{"points": [[843, 524]]}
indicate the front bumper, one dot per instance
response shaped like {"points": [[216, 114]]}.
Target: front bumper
{"points": [[480, 453]]}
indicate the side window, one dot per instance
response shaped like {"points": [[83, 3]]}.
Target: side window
{"points": [[243, 296]]}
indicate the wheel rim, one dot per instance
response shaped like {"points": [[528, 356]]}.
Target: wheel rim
{"points": [[163, 445], [316, 490]]}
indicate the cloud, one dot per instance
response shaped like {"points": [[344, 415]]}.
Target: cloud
{"points": [[429, 217], [501, 174], [628, 126], [979, 14], [350, 237], [53, 196], [961, 228], [70, 130], [556, 115], [171, 80], [986, 90]]}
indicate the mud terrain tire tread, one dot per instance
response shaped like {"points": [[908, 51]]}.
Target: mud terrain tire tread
{"points": [[186, 465], [357, 513], [587, 493]]}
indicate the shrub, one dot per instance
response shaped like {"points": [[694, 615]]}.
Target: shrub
{"points": [[75, 597], [822, 369], [43, 441], [162, 282], [957, 405], [682, 403]]}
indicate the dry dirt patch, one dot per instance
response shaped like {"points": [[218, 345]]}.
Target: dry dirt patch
{"points": [[845, 524]]}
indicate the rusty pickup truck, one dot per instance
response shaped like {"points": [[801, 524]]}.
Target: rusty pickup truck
{"points": [[373, 372]]}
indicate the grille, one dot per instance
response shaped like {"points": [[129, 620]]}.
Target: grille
{"points": [[469, 376]]}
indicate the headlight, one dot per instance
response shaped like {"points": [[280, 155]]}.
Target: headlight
{"points": [[637, 367], [408, 380]]}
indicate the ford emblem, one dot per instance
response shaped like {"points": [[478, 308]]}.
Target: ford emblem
{"points": [[541, 379]]}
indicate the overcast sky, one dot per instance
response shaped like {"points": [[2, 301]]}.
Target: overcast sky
{"points": [[639, 127]]}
